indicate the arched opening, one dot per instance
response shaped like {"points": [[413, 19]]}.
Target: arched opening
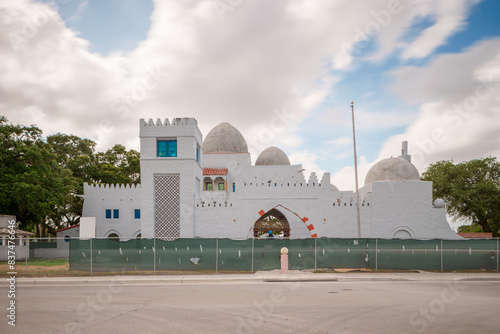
{"points": [[272, 224], [219, 184], [113, 236], [402, 234], [208, 184]]}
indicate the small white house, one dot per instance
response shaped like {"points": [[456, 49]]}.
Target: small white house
{"points": [[64, 235], [21, 243]]}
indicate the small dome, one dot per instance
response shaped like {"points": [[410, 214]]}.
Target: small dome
{"points": [[438, 203], [392, 169], [333, 187], [224, 138], [272, 156]]}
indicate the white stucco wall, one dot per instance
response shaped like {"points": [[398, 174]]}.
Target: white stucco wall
{"points": [[72, 232], [312, 207], [97, 199], [188, 136]]}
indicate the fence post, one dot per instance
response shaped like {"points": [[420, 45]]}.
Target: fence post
{"points": [[253, 239], [216, 255], [90, 256], [441, 254], [376, 254], [497, 254], [154, 255], [315, 253], [28, 255]]}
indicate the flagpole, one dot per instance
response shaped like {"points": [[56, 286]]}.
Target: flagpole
{"points": [[356, 170]]}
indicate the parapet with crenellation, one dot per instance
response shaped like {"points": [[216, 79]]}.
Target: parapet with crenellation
{"points": [[184, 126], [117, 189]]}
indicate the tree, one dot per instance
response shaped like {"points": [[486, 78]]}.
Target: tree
{"points": [[40, 180], [118, 166], [470, 189], [76, 155], [32, 183]]}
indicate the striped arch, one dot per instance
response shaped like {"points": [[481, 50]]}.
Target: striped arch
{"points": [[310, 226]]}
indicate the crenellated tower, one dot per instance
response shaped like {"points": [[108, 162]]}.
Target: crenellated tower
{"points": [[171, 170]]}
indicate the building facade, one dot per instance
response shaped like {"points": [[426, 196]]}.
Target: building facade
{"points": [[209, 188]]}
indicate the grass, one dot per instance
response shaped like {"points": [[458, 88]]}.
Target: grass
{"points": [[46, 262]]}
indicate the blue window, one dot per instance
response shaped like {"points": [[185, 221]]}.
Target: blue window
{"points": [[197, 154], [108, 213], [234, 187], [116, 214], [167, 148], [137, 214]]}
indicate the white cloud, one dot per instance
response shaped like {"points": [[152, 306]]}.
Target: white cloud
{"points": [[459, 115], [345, 180], [263, 56], [449, 16], [308, 161], [77, 15], [342, 141], [378, 120]]}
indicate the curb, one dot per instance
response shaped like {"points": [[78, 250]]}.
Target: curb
{"points": [[224, 279], [377, 279]]}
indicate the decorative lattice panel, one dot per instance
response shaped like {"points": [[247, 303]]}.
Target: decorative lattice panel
{"points": [[167, 206]]}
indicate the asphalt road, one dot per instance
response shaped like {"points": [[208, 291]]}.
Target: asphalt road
{"points": [[256, 307]]}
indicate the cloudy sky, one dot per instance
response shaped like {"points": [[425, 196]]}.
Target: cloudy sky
{"points": [[283, 72]]}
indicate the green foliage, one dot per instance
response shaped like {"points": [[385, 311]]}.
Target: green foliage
{"points": [[471, 190], [117, 165], [32, 183], [40, 179], [470, 229]]}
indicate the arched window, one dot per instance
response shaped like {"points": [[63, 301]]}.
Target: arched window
{"points": [[208, 184], [220, 183], [113, 236]]}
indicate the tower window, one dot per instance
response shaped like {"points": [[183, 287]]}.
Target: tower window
{"points": [[167, 148], [108, 213], [137, 214], [198, 153], [116, 214], [234, 187]]}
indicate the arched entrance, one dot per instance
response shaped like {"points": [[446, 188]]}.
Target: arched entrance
{"points": [[274, 221]]}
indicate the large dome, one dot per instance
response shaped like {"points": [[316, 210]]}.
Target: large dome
{"points": [[272, 156], [392, 169], [224, 138]]}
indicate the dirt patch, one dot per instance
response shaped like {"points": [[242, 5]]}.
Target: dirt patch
{"points": [[57, 270], [63, 271]]}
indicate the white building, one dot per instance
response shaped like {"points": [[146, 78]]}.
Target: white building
{"points": [[194, 188]]}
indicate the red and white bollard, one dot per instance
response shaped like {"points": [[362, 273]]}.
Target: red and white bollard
{"points": [[284, 260]]}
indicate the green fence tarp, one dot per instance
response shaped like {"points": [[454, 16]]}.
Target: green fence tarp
{"points": [[408, 254], [264, 254]]}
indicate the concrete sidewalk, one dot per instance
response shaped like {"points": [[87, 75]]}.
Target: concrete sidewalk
{"points": [[262, 276]]}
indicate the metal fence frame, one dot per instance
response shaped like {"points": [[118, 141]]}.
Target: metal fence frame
{"points": [[376, 250]]}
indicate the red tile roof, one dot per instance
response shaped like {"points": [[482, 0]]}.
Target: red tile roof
{"points": [[67, 228], [214, 171], [475, 235]]}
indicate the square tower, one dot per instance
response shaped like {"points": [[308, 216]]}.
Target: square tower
{"points": [[171, 171]]}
